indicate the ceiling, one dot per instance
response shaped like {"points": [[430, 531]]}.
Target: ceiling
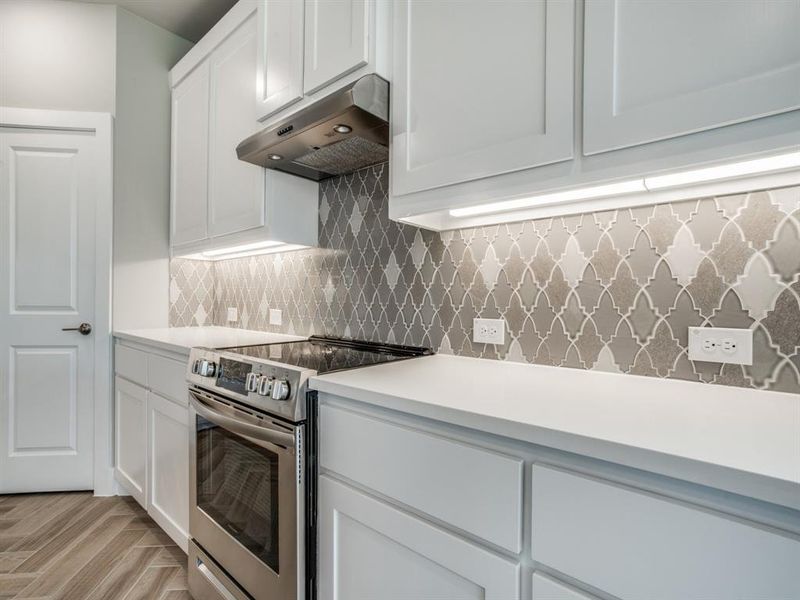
{"points": [[190, 19]]}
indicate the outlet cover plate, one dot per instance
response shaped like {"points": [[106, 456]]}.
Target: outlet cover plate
{"points": [[275, 316], [233, 314], [489, 331], [721, 345]]}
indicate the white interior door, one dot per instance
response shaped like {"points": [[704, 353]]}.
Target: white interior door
{"points": [[48, 197]]}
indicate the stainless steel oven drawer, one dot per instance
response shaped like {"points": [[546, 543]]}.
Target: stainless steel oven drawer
{"points": [[207, 581]]}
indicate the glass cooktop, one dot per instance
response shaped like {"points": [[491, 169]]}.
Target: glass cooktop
{"points": [[327, 354]]}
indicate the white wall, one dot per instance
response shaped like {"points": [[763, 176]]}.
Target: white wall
{"points": [[145, 53], [57, 55]]}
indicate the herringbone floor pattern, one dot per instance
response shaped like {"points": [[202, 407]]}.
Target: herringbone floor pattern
{"points": [[78, 547]]}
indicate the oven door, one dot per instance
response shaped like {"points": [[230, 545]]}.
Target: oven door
{"points": [[248, 495]]}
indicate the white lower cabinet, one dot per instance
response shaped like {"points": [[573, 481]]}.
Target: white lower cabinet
{"points": [[152, 435], [130, 417], [372, 550], [168, 465], [427, 524]]}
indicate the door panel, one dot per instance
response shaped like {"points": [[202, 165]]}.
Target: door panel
{"points": [[43, 411], [337, 40], [44, 245], [736, 61], [497, 97], [236, 188], [280, 55], [48, 201], [189, 219]]}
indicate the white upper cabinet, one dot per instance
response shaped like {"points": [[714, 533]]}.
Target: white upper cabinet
{"points": [[190, 157], [236, 188], [336, 40], [218, 201], [493, 96], [658, 70], [280, 55]]}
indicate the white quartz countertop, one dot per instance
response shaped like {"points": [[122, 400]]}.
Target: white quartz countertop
{"points": [[182, 339], [739, 440]]}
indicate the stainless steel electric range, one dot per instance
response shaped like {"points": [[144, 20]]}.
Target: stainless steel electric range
{"points": [[253, 464]]}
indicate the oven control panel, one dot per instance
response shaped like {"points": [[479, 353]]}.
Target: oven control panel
{"points": [[265, 385]]}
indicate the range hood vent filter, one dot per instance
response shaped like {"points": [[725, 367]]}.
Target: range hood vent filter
{"points": [[344, 157]]}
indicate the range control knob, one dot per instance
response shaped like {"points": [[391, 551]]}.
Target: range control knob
{"points": [[280, 389], [208, 368], [265, 385], [251, 384], [196, 367]]}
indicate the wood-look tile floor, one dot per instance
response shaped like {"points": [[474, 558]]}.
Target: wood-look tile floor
{"points": [[78, 547]]}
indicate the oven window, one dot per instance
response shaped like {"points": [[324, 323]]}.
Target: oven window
{"points": [[237, 486]]}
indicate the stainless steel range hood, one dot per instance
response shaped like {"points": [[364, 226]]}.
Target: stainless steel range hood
{"points": [[338, 134]]}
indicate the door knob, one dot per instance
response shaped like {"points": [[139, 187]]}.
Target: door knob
{"points": [[83, 329]]}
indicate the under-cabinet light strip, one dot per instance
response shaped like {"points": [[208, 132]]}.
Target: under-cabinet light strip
{"points": [[780, 162], [598, 191]]}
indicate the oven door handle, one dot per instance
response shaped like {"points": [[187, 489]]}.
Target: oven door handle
{"points": [[255, 433]]}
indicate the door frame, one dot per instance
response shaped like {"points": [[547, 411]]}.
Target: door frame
{"points": [[101, 125]]}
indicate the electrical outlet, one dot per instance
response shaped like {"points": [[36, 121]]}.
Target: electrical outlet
{"points": [[489, 331], [721, 345], [233, 314], [275, 316]]}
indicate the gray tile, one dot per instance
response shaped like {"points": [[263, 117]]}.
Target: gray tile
{"points": [[758, 219], [566, 286], [784, 250]]}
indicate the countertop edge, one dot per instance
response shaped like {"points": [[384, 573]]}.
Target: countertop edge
{"points": [[754, 485], [148, 341]]}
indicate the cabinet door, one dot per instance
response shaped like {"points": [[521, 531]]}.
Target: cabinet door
{"points": [[336, 41], [657, 70], [189, 193], [494, 95], [169, 467], [279, 81], [130, 427], [236, 188], [370, 550]]}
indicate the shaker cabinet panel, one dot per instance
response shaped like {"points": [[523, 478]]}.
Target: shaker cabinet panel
{"points": [[369, 549], [633, 544], [236, 188], [168, 454], [493, 96], [657, 70], [190, 158], [279, 80], [336, 40], [130, 415], [545, 587]]}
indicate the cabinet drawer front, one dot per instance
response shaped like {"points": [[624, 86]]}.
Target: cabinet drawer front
{"points": [[168, 378], [369, 549], [130, 364], [635, 545], [473, 489]]}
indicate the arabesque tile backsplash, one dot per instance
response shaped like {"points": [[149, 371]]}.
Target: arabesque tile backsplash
{"points": [[611, 290]]}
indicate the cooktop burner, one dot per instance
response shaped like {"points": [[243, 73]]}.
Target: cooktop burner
{"points": [[328, 354]]}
